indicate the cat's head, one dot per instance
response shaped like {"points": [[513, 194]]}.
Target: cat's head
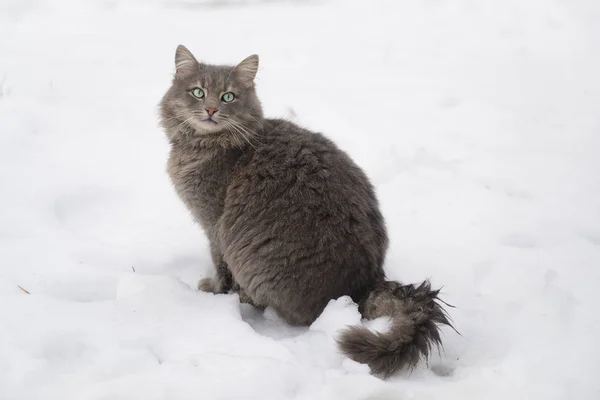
{"points": [[212, 102]]}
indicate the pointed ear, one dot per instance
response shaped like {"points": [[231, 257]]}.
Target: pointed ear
{"points": [[184, 60], [246, 70]]}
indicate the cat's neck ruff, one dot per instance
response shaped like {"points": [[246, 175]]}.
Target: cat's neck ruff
{"points": [[219, 140]]}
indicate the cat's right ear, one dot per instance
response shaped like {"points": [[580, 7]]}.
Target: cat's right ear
{"points": [[184, 61]]}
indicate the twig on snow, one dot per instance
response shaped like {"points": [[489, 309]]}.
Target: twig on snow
{"points": [[24, 290]]}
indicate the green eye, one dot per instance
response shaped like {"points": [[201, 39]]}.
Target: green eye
{"points": [[197, 93], [228, 97]]}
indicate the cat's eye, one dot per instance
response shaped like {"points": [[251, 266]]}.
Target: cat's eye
{"points": [[197, 93], [228, 97]]}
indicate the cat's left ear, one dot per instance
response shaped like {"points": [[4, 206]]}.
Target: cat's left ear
{"points": [[246, 70]]}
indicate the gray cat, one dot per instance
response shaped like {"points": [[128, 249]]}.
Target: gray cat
{"points": [[292, 221]]}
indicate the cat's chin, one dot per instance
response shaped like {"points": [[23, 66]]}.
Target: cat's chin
{"points": [[208, 126]]}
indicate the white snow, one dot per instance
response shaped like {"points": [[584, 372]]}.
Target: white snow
{"points": [[478, 122]]}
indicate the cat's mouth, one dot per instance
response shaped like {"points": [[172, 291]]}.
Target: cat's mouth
{"points": [[210, 121]]}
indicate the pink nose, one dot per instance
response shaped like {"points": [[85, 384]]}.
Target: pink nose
{"points": [[211, 111]]}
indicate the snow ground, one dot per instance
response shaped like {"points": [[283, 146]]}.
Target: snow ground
{"points": [[478, 121]]}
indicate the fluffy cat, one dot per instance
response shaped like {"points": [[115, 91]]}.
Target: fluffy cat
{"points": [[291, 220]]}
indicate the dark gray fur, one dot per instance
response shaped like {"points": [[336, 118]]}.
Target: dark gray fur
{"points": [[292, 221]]}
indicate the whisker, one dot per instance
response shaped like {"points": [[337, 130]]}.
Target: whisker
{"points": [[239, 135], [245, 131], [228, 128], [183, 124], [242, 130], [180, 116]]}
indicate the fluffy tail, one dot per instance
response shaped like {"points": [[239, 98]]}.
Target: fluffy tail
{"points": [[416, 316]]}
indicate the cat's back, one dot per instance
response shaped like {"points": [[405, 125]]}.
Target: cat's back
{"points": [[288, 150], [298, 180]]}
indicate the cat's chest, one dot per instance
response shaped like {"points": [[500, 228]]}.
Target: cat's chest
{"points": [[200, 179]]}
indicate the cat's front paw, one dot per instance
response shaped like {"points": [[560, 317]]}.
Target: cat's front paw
{"points": [[208, 285]]}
